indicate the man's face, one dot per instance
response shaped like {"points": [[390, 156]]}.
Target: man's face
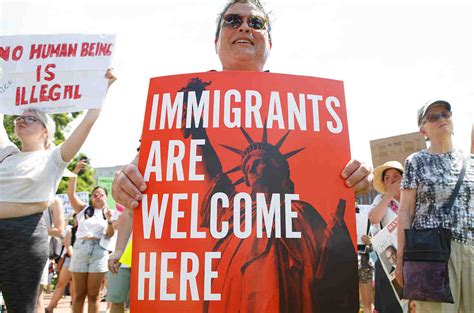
{"points": [[391, 256], [243, 48]]}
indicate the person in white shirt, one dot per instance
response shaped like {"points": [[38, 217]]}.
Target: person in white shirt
{"points": [[89, 261], [28, 180]]}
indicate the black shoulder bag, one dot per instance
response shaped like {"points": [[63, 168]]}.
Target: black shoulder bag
{"points": [[426, 256]]}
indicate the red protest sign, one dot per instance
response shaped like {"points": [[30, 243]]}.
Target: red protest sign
{"points": [[245, 208]]}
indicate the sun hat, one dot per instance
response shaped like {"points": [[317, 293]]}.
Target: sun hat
{"points": [[378, 172], [422, 111]]}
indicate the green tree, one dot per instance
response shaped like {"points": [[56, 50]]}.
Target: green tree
{"points": [[85, 181]]}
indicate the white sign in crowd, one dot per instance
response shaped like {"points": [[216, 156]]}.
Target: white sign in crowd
{"points": [[385, 244], [54, 73], [84, 196], [362, 221]]}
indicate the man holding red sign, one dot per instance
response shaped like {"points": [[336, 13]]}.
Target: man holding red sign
{"points": [[243, 43]]}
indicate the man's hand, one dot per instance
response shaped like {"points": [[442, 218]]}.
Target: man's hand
{"points": [[114, 263], [358, 175], [128, 186]]}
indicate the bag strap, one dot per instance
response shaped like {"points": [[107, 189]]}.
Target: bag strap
{"points": [[368, 227], [62, 250], [50, 213], [457, 187]]}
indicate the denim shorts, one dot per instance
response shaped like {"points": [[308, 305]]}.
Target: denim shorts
{"points": [[89, 257], [67, 262]]}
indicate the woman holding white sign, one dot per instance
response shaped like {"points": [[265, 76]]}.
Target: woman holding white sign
{"points": [[28, 180]]}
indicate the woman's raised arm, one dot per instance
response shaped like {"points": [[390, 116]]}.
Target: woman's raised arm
{"points": [[76, 203]]}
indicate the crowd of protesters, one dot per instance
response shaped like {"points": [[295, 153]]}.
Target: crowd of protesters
{"points": [[417, 193], [29, 177], [30, 214]]}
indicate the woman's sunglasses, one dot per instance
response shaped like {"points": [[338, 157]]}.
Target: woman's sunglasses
{"points": [[235, 20], [98, 195], [27, 120], [436, 116]]}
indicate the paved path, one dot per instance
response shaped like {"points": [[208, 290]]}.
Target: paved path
{"points": [[64, 305]]}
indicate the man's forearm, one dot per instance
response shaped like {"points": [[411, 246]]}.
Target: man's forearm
{"points": [[124, 228]]}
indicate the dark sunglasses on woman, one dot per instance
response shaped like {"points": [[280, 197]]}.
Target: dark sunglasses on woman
{"points": [[436, 116], [235, 20]]}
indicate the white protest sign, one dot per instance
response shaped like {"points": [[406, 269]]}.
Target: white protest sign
{"points": [[396, 148], [385, 245], [84, 196], [54, 73], [362, 221]]}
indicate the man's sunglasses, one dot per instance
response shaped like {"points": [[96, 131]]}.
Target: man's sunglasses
{"points": [[436, 116], [235, 20], [27, 120]]}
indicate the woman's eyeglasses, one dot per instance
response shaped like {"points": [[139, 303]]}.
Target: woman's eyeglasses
{"points": [[27, 120], [235, 20], [436, 116]]}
